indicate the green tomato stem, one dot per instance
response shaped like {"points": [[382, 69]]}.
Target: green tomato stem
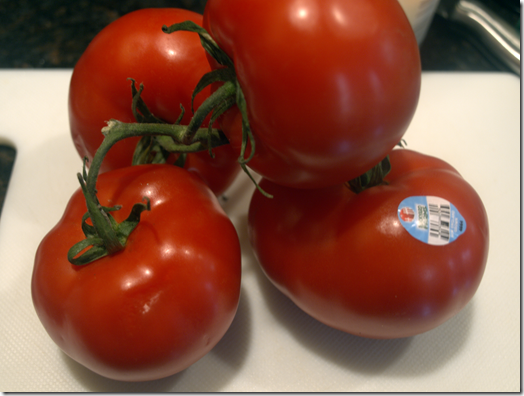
{"points": [[373, 177], [173, 137], [221, 95], [229, 94], [106, 236]]}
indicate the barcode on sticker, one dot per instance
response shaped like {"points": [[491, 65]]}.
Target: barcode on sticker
{"points": [[439, 221]]}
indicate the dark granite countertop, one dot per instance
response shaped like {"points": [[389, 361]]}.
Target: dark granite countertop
{"points": [[54, 33]]}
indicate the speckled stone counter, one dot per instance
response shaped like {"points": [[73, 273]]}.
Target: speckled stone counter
{"points": [[54, 33]]}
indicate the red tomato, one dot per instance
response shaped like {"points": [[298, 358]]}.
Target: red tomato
{"points": [[347, 260], [331, 85], [169, 66], [157, 306]]}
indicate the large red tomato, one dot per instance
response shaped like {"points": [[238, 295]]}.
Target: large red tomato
{"points": [[393, 261], [161, 303], [169, 66], [330, 85]]}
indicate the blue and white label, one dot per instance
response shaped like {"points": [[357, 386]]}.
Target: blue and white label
{"points": [[432, 220]]}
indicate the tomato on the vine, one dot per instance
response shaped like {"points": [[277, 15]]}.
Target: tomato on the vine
{"points": [[330, 85], [169, 66], [161, 303], [392, 261]]}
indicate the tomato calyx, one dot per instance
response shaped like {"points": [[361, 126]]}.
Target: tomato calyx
{"points": [[226, 96], [155, 149], [149, 149], [373, 177], [207, 41], [105, 236]]}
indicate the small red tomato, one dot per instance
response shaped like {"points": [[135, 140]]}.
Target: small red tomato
{"points": [[161, 303], [393, 261]]}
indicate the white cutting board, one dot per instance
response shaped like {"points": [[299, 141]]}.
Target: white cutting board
{"points": [[470, 120]]}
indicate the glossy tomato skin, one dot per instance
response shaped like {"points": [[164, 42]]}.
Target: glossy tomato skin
{"points": [[169, 66], [331, 85], [157, 306], [346, 260]]}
